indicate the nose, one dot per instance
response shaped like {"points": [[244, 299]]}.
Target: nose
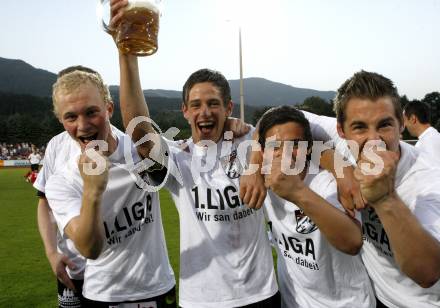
{"points": [[205, 110], [277, 152], [373, 138], [83, 123], [373, 135]]}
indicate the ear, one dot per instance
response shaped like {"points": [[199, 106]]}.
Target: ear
{"points": [[413, 119], [110, 108], [185, 111], [402, 126], [229, 107], [340, 130]]}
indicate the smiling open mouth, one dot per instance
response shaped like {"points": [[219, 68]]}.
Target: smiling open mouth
{"points": [[206, 127], [87, 139]]}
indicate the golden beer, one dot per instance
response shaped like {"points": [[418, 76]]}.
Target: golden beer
{"points": [[137, 32]]}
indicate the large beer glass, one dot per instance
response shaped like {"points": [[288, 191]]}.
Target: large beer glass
{"points": [[137, 32]]}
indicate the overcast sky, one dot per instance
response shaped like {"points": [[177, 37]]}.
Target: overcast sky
{"points": [[309, 43]]}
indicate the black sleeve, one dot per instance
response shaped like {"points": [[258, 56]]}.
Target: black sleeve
{"points": [[41, 194]]}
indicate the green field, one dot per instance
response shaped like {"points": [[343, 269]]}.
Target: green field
{"points": [[26, 279]]}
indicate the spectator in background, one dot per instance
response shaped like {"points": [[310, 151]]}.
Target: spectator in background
{"points": [[416, 118], [34, 158], [19, 151]]}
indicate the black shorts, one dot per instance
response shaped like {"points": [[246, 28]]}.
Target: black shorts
{"points": [[167, 300], [68, 298], [35, 167], [272, 302], [379, 304]]}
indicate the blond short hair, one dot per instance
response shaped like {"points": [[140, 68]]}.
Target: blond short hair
{"points": [[70, 82]]}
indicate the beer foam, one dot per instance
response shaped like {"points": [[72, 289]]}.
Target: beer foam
{"points": [[133, 4]]}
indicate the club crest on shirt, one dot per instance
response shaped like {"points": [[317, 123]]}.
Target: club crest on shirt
{"points": [[231, 165], [304, 224], [143, 176]]}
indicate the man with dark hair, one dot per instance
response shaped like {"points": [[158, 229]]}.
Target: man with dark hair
{"points": [[303, 207], [225, 256], [421, 112], [207, 75], [206, 124], [416, 118], [401, 225]]}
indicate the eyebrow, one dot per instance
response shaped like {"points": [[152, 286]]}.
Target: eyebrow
{"points": [[199, 101], [386, 120], [68, 114], [274, 142], [90, 108], [357, 123]]}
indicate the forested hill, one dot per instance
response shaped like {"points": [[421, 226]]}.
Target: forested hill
{"points": [[26, 106], [19, 77]]}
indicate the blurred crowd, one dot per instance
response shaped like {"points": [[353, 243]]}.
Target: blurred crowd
{"points": [[18, 150]]}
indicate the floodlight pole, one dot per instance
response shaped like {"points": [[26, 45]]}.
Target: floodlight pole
{"points": [[241, 76]]}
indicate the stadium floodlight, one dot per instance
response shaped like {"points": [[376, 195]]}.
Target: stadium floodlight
{"points": [[241, 75], [235, 11]]}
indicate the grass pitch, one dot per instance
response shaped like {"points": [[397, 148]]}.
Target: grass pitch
{"points": [[26, 279]]}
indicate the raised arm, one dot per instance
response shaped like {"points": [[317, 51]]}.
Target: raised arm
{"points": [[86, 230], [416, 252], [343, 232], [133, 103], [132, 100]]}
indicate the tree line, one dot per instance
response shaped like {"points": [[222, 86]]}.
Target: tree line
{"points": [[27, 118]]}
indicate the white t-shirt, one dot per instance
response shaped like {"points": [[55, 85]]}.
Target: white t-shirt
{"points": [[225, 256], [417, 184], [225, 260], [429, 143], [34, 158], [311, 272], [134, 262], [59, 150]]}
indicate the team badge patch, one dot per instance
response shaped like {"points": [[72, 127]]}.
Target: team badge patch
{"points": [[142, 180], [304, 224], [231, 165]]}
